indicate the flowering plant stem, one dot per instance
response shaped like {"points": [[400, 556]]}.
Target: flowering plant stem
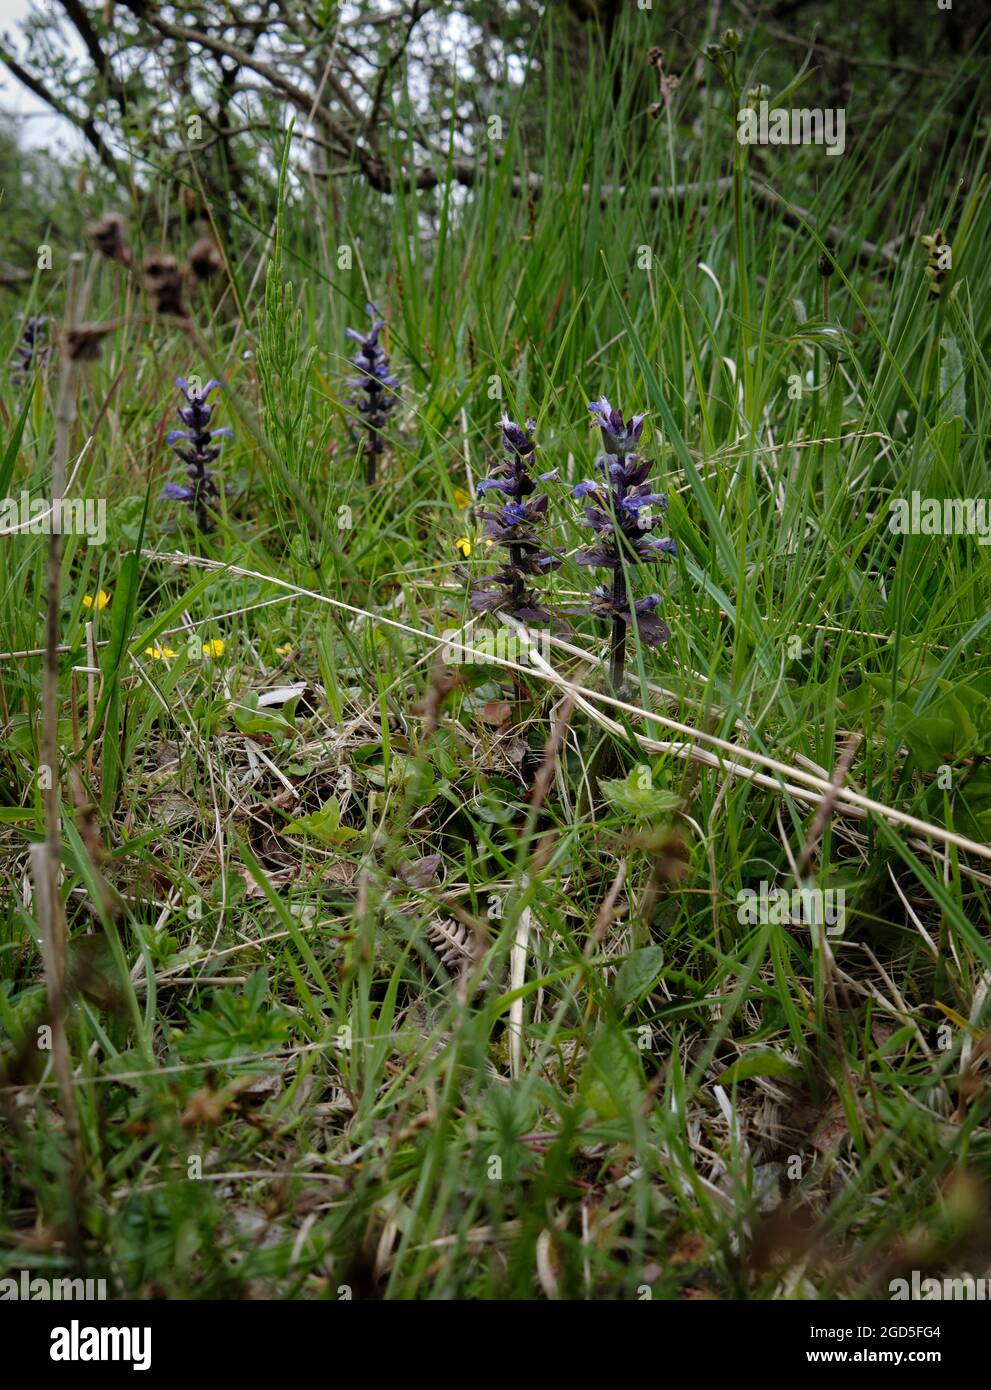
{"points": [[371, 460], [618, 512], [617, 650], [518, 591], [617, 655]]}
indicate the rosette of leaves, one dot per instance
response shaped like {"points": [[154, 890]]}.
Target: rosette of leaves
{"points": [[618, 509], [516, 526]]}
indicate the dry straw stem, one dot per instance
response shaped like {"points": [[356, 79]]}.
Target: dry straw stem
{"points": [[822, 815], [521, 939], [46, 862], [517, 977], [815, 789]]}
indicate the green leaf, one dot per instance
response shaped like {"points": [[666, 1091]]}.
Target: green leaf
{"points": [[637, 973], [324, 825], [23, 731], [11, 451], [612, 1081], [952, 380], [759, 1062], [933, 739], [637, 797], [251, 720]]}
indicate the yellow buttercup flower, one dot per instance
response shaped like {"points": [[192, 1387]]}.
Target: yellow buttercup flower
{"points": [[464, 545], [285, 650], [215, 647], [99, 603], [159, 653]]}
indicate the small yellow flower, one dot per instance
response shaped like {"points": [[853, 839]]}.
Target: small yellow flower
{"points": [[215, 647], [159, 653], [464, 545], [285, 650], [461, 499], [99, 603]]}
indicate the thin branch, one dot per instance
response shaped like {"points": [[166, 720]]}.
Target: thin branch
{"points": [[80, 21], [83, 123]]}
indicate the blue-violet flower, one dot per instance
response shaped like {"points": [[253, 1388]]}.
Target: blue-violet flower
{"points": [[196, 448], [618, 511], [374, 391], [30, 352], [515, 525]]}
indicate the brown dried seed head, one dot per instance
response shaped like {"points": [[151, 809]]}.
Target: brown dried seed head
{"points": [[83, 342], [205, 259], [110, 236], [163, 284]]}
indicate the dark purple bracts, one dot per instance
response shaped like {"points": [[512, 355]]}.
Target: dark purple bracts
{"points": [[516, 525], [30, 352], [618, 511], [374, 391], [196, 448]]}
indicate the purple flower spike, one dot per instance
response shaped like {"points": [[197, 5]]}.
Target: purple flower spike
{"points": [[515, 525], [619, 437], [374, 391], [30, 353], [195, 446], [516, 440], [618, 512]]}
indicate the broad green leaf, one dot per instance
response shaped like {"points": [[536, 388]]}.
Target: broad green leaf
{"points": [[324, 825], [636, 796], [952, 381], [637, 973]]}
